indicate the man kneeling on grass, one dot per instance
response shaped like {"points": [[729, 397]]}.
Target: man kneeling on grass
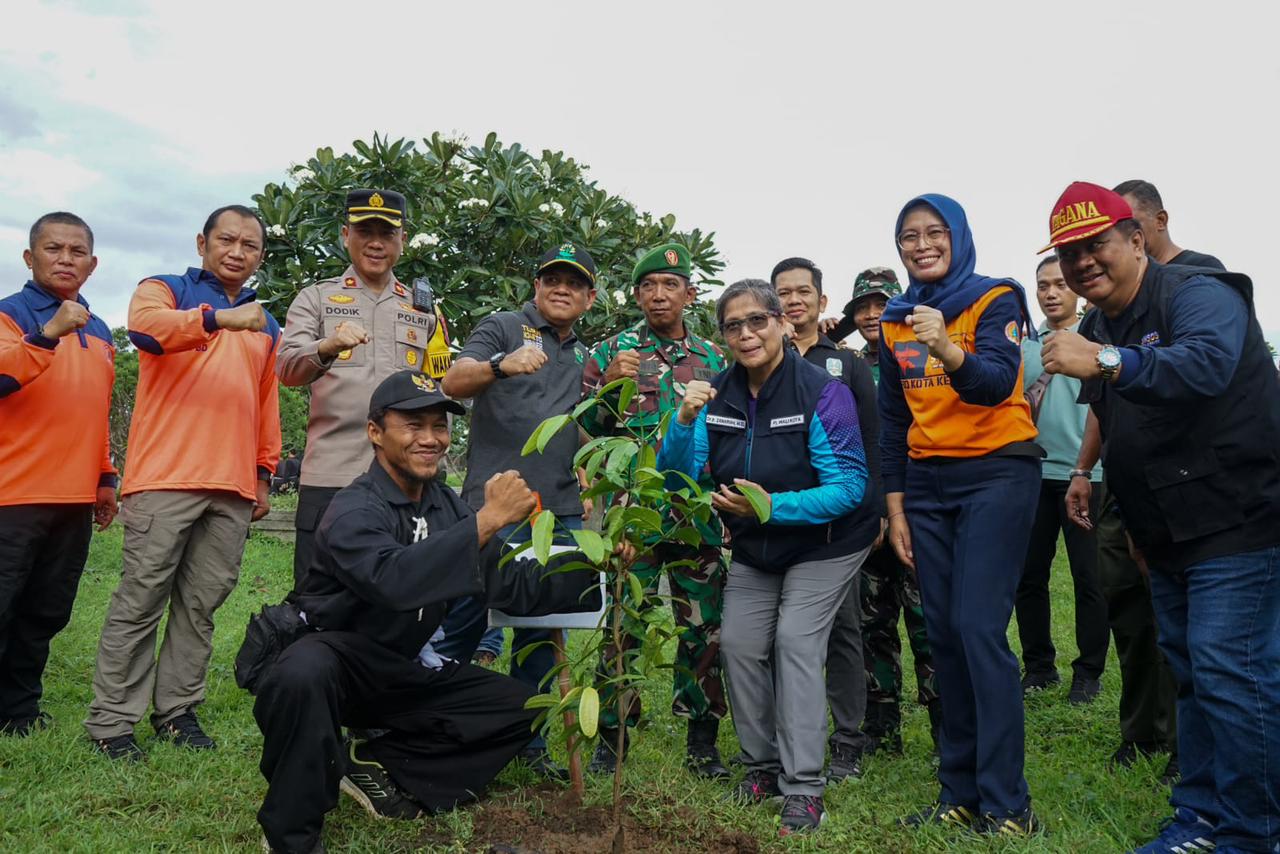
{"points": [[392, 551]]}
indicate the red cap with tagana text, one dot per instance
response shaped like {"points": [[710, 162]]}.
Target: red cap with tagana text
{"points": [[1084, 210]]}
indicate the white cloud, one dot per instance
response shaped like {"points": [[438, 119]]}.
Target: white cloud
{"points": [[48, 180]]}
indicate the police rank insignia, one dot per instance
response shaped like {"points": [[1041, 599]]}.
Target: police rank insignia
{"points": [[341, 299], [399, 290], [349, 282], [834, 367], [673, 257], [375, 201]]}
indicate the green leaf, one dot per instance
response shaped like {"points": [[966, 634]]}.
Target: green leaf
{"points": [[759, 502], [541, 701], [626, 394], [544, 525], [549, 429], [637, 589], [588, 711], [592, 545]]}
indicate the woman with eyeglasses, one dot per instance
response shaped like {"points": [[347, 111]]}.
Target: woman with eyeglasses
{"points": [[961, 475], [775, 423]]}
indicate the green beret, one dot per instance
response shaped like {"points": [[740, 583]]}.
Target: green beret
{"points": [[667, 258]]}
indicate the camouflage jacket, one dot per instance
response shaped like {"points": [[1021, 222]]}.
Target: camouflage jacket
{"points": [[872, 361]]}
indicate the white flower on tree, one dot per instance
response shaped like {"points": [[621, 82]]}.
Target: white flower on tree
{"points": [[424, 241], [602, 224], [473, 203], [620, 297], [302, 173], [554, 208], [276, 230]]}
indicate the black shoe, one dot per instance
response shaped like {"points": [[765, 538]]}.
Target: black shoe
{"points": [[846, 762], [1083, 690], [702, 757], [120, 747], [1172, 773], [951, 815], [1024, 823], [756, 788], [802, 814], [184, 731], [541, 763], [1039, 681], [23, 727], [1129, 752], [267, 849], [371, 786], [604, 761]]}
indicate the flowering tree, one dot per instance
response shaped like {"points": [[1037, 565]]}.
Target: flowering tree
{"points": [[479, 218]]}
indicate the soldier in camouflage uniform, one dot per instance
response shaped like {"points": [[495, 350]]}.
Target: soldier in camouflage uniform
{"points": [[662, 355], [887, 585]]}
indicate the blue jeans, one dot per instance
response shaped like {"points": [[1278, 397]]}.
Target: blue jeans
{"points": [[466, 626], [1220, 630]]}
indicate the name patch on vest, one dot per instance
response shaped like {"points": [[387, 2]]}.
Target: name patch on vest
{"points": [[725, 421], [1151, 339], [786, 421]]}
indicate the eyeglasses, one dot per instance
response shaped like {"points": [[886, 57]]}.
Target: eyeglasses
{"points": [[933, 235], [754, 322]]}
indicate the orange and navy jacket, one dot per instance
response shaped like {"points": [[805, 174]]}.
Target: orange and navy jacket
{"points": [[207, 414], [55, 404], [980, 408]]}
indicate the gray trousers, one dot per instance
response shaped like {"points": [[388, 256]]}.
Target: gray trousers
{"points": [[182, 550], [847, 674], [773, 643]]}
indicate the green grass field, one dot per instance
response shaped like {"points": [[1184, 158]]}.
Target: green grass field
{"points": [[56, 795]]}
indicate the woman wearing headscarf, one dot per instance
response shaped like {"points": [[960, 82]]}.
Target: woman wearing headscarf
{"points": [[775, 423], [961, 473]]}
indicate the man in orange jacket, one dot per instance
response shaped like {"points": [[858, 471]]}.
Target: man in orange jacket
{"points": [[204, 442], [56, 370]]}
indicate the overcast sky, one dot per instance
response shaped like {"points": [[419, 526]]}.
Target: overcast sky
{"points": [[788, 129]]}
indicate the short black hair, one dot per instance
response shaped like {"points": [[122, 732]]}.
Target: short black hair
{"points": [[1126, 228], [1144, 192], [796, 264], [1051, 258], [378, 415], [59, 218], [236, 209]]}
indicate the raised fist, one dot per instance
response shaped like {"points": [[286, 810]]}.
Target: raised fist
{"points": [[696, 395]]}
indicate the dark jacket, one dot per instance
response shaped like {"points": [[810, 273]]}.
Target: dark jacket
{"points": [[388, 568], [1191, 427]]}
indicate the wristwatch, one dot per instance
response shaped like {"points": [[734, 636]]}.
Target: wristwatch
{"points": [[1085, 473], [495, 364], [1108, 359]]}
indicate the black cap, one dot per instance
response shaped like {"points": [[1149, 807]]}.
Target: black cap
{"points": [[409, 390], [572, 255], [376, 204]]}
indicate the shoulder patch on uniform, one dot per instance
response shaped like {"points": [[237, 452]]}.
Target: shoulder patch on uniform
{"points": [[341, 299], [1011, 332], [834, 367]]}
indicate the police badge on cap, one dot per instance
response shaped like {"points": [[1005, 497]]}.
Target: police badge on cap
{"points": [[386, 205]]}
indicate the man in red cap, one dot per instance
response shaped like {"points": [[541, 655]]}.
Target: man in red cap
{"points": [[1177, 371]]}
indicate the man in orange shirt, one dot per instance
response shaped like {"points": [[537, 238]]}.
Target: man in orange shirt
{"points": [[53, 352], [204, 442]]}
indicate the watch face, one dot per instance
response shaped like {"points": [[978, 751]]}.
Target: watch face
{"points": [[1109, 357]]}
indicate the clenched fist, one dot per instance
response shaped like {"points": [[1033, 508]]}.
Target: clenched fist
{"points": [[696, 395], [625, 364], [248, 317], [346, 335], [508, 498], [526, 360], [69, 317], [930, 329]]}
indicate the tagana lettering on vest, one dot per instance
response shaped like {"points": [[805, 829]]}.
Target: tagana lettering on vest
{"points": [[786, 421]]}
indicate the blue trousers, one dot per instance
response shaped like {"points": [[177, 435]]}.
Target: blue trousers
{"points": [[970, 521], [1219, 624], [467, 625]]}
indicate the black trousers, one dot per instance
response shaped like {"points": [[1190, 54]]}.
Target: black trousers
{"points": [[42, 552], [312, 502], [1032, 604], [846, 673], [450, 731]]}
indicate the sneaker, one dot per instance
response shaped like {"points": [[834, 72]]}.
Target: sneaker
{"points": [[120, 747], [802, 814], [21, 728], [484, 658], [1129, 752], [1084, 690], [1040, 681], [371, 786], [541, 763], [267, 849], [603, 761], [952, 815], [846, 762], [1024, 823], [1184, 832], [184, 731], [1172, 773], [756, 788]]}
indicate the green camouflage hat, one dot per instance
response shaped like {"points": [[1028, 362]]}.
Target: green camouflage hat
{"points": [[667, 258], [875, 280]]}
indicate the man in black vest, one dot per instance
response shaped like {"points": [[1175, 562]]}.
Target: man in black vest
{"points": [[1175, 367]]}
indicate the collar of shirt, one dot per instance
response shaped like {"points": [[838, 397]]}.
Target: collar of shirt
{"points": [[824, 343], [537, 321], [390, 491], [204, 278], [1044, 328], [395, 289], [39, 298]]}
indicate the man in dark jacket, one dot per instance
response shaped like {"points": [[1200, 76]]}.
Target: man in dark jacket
{"points": [[1179, 375], [392, 551]]}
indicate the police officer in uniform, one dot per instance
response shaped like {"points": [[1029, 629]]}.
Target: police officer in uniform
{"points": [[342, 337]]}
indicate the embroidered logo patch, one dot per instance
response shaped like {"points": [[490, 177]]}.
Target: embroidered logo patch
{"points": [[349, 282], [834, 367], [424, 383], [787, 420], [725, 421], [1011, 332], [673, 257], [375, 201], [341, 299], [344, 355], [1151, 338], [411, 357]]}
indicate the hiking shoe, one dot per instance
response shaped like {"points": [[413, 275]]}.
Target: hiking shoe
{"points": [[1184, 832], [1024, 823], [1083, 690], [371, 786], [802, 814], [702, 757], [120, 747], [952, 815], [1040, 681], [882, 725], [604, 761], [267, 849], [756, 788], [846, 762], [1172, 773], [21, 728], [1129, 752], [541, 763], [184, 731]]}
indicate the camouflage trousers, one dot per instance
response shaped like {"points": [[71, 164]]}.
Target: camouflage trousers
{"points": [[697, 593], [888, 588]]}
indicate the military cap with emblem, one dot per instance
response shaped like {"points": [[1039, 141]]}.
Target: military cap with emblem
{"points": [[667, 258], [876, 280], [570, 255], [406, 391], [386, 205]]}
